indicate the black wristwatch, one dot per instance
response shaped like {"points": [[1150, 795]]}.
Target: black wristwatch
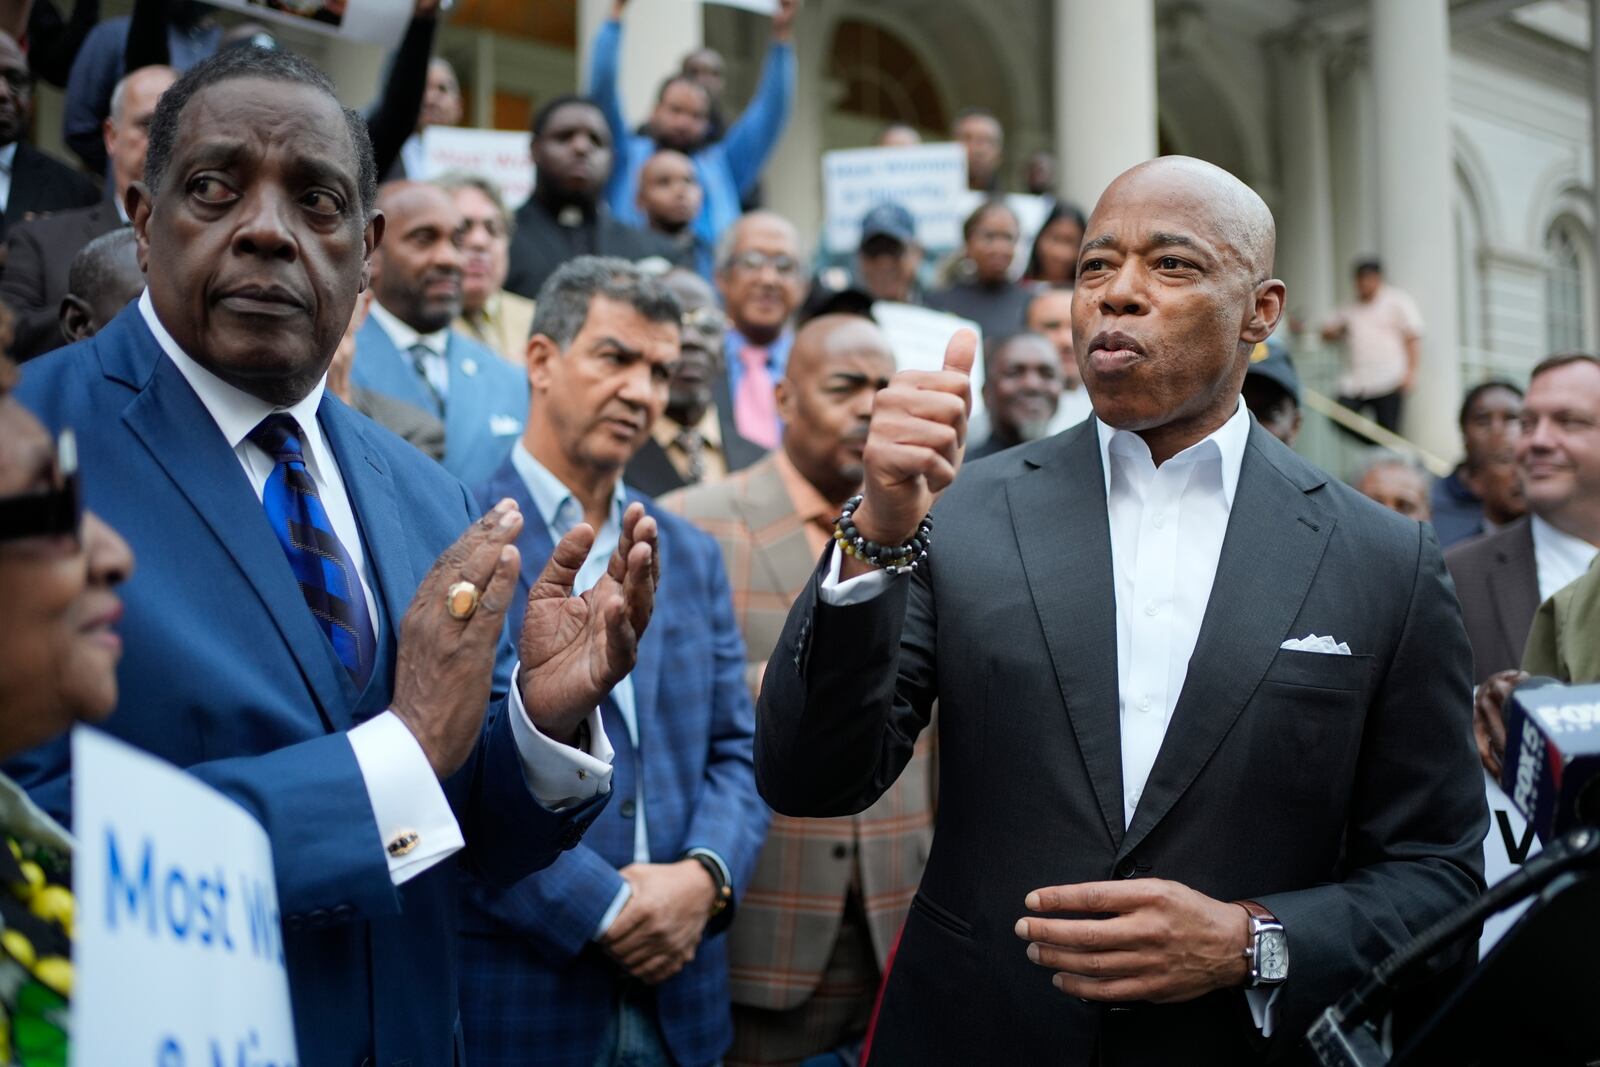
{"points": [[724, 891]]}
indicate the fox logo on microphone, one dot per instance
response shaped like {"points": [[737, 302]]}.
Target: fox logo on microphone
{"points": [[1552, 764]]}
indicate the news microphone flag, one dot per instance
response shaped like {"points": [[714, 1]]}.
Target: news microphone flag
{"points": [[1552, 763]]}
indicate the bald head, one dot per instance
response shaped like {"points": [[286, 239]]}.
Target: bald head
{"points": [[1242, 222], [1174, 289], [417, 268], [836, 367]]}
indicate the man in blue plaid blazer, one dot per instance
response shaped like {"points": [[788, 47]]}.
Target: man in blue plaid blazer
{"points": [[611, 954]]}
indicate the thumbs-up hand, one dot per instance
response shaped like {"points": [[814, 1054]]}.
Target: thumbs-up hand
{"points": [[914, 446]]}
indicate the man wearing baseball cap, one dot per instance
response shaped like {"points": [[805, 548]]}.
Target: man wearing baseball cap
{"points": [[888, 257], [1272, 390]]}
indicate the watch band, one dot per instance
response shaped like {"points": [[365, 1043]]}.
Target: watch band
{"points": [[1257, 912], [724, 891]]}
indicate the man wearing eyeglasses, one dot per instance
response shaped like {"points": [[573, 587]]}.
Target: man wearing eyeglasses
{"points": [[30, 181], [694, 440], [758, 273]]}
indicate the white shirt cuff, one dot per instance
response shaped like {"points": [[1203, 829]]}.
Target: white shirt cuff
{"points": [[1263, 1007], [408, 802], [613, 911], [857, 590], [559, 776]]}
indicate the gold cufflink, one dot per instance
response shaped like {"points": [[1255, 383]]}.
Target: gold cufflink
{"points": [[404, 843]]}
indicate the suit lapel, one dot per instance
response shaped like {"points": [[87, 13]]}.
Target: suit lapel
{"points": [[1274, 544], [372, 496], [1514, 586], [646, 671], [777, 536], [185, 442], [1058, 509]]}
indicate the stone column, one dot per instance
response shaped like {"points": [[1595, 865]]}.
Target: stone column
{"points": [[656, 35], [1411, 80], [1306, 256], [1102, 131]]}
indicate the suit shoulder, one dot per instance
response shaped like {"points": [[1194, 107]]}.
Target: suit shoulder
{"points": [[1477, 552], [61, 381], [708, 500]]}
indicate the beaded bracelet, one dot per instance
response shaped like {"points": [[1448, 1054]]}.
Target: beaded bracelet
{"points": [[896, 559]]}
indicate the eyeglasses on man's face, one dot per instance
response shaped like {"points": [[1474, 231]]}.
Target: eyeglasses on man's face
{"points": [[752, 261]]}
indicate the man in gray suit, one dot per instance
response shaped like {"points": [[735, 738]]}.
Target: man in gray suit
{"points": [[1503, 577], [1203, 710]]}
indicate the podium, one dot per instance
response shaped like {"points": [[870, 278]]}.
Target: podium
{"points": [[1531, 1000]]}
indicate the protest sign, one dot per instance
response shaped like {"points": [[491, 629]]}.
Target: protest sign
{"points": [[499, 155], [374, 21], [760, 7], [930, 181], [918, 336], [179, 948]]}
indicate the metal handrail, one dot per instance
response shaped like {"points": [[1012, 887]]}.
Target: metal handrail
{"points": [[1362, 426]]}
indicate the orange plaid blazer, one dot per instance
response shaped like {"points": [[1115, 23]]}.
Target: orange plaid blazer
{"points": [[789, 916]]}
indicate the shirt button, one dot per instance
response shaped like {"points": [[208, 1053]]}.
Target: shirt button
{"points": [[1160, 520], [1144, 705], [1151, 608]]}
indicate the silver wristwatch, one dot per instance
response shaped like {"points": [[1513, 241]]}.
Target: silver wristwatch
{"points": [[1268, 951]]}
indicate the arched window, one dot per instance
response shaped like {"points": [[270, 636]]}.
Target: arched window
{"points": [[1565, 287], [883, 78]]}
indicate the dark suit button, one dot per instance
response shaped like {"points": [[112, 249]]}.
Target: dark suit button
{"points": [[294, 922], [841, 852], [343, 911], [627, 809], [1125, 867], [318, 917]]}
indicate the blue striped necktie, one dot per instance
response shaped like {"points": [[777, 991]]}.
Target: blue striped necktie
{"points": [[325, 571]]}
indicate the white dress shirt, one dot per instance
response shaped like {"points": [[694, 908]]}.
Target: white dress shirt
{"points": [[406, 795], [1559, 559], [435, 364], [561, 511], [8, 159], [1167, 528]]}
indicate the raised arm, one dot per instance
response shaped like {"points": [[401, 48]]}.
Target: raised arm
{"points": [[394, 118], [752, 138]]}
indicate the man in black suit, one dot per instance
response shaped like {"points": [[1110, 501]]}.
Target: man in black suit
{"points": [[1197, 699], [695, 440], [30, 181], [40, 252], [572, 157]]}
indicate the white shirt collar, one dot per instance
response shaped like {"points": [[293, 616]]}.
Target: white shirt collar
{"points": [[235, 411], [551, 495], [8, 157], [1225, 445], [1559, 558], [405, 338]]}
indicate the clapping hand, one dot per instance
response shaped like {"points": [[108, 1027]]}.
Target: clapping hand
{"points": [[574, 649], [444, 665]]}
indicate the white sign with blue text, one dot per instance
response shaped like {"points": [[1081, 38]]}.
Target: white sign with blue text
{"points": [[179, 949], [929, 180]]}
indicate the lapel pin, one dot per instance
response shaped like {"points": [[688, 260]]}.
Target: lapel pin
{"points": [[469, 366]]}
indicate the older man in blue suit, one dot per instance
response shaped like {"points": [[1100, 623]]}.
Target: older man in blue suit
{"points": [[610, 956], [279, 644], [407, 349]]}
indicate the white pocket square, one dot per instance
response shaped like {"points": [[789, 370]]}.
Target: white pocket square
{"points": [[1313, 643]]}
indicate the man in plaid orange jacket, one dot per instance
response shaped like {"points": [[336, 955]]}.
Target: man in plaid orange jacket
{"points": [[829, 895]]}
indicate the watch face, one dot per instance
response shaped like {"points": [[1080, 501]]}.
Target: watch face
{"points": [[1272, 956]]}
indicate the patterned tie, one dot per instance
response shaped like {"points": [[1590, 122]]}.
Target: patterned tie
{"points": [[420, 354], [326, 574], [755, 412], [692, 443]]}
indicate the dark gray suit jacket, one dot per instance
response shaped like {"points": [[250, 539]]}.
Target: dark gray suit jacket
{"points": [[39, 254], [1498, 583], [1342, 792]]}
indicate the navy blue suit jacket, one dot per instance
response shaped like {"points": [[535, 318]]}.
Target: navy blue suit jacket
{"points": [[224, 672], [487, 405], [535, 989]]}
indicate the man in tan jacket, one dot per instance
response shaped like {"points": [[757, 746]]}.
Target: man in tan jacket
{"points": [[829, 896]]}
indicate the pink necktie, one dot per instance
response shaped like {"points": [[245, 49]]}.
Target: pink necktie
{"points": [[755, 412]]}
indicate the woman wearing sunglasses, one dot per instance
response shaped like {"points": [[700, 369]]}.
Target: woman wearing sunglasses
{"points": [[59, 569]]}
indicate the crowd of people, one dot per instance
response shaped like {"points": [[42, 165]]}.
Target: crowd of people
{"points": [[556, 583]]}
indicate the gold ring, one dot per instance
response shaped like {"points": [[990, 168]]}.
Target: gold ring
{"points": [[461, 600]]}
